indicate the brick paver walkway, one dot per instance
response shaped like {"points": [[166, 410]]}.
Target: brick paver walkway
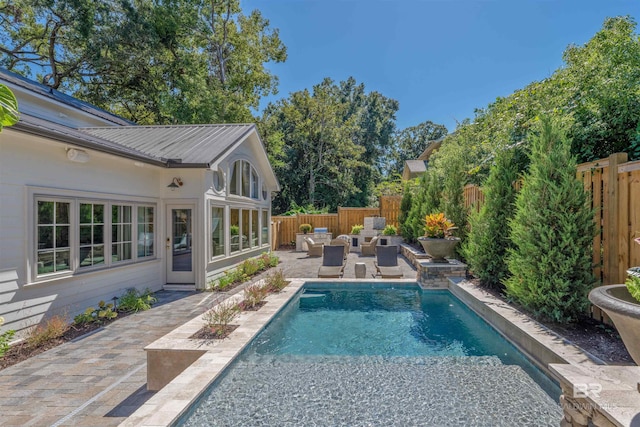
{"points": [[100, 379]]}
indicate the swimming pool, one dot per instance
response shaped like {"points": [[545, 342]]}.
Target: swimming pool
{"points": [[372, 354]]}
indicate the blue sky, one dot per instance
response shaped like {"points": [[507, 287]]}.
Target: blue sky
{"points": [[439, 59]]}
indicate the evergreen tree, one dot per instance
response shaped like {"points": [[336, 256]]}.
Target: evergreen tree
{"points": [[452, 195], [552, 232], [425, 201], [405, 207], [486, 246]]}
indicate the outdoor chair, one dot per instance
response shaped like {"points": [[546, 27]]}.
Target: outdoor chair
{"points": [[313, 248], [343, 244], [387, 262], [369, 248], [332, 262]]}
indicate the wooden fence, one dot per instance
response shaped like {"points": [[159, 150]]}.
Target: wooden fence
{"points": [[284, 228], [614, 185]]}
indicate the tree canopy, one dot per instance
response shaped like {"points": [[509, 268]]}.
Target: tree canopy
{"points": [[154, 62]]}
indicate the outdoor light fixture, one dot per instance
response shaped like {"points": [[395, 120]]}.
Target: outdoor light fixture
{"points": [[175, 183], [78, 156]]}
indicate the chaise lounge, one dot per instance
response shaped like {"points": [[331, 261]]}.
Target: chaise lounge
{"points": [[332, 262], [387, 262]]}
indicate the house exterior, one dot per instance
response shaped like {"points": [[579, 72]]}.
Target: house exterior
{"points": [[91, 204], [415, 168]]}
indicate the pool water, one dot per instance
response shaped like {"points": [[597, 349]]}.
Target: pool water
{"points": [[361, 355]]}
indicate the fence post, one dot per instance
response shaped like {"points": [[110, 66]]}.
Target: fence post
{"points": [[613, 229]]}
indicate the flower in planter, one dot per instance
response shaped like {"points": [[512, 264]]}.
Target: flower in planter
{"points": [[305, 228], [390, 230], [356, 229], [437, 226]]}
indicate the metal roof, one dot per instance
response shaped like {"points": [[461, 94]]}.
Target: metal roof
{"points": [[37, 126], [51, 93], [416, 166], [195, 145]]}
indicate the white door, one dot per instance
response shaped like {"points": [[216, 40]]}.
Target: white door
{"points": [[179, 244]]}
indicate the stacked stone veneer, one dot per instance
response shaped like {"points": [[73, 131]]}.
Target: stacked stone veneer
{"points": [[433, 275]]}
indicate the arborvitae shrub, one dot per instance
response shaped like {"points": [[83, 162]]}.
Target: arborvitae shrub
{"points": [[405, 207], [552, 231], [486, 246], [426, 200], [452, 195]]}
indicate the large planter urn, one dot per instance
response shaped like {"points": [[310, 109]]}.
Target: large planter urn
{"points": [[624, 311], [439, 249]]}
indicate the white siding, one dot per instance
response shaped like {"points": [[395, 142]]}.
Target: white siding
{"points": [[30, 166]]}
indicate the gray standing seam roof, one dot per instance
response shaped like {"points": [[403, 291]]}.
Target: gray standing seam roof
{"points": [[180, 145], [416, 166]]}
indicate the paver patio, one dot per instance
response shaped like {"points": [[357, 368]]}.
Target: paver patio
{"points": [[100, 379]]}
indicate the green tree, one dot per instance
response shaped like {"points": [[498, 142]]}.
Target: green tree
{"points": [[552, 232], [604, 90], [409, 143], [8, 107], [487, 243], [328, 143], [185, 61]]}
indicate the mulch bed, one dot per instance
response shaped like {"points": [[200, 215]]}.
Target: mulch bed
{"points": [[23, 351], [596, 338]]}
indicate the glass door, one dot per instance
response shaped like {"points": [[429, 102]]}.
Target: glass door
{"points": [[180, 245]]}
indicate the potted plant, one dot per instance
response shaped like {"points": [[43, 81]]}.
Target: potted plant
{"points": [[305, 228], [622, 305], [356, 229], [438, 242]]}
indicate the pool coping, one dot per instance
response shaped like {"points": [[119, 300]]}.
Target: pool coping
{"points": [[171, 402]]}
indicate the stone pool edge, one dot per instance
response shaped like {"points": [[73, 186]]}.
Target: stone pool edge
{"points": [[173, 400]]}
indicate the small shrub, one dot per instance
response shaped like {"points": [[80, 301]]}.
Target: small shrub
{"points": [[356, 229], [633, 284], [5, 338], [254, 294], [221, 315], [390, 230], [275, 282], [268, 260], [96, 315], [249, 267], [235, 230], [52, 328], [305, 228], [133, 300]]}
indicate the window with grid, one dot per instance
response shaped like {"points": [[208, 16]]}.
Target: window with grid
{"points": [[53, 245], [91, 234], [145, 231], [121, 233]]}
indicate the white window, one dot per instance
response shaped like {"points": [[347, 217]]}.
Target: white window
{"points": [[217, 231], [121, 233], [265, 227], [52, 234], [73, 235], [91, 232], [146, 235], [244, 180]]}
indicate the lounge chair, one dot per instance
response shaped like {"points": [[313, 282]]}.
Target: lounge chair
{"points": [[342, 243], [313, 248], [332, 262], [387, 262], [369, 248]]}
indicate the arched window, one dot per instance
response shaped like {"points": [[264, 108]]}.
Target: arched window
{"points": [[244, 180]]}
